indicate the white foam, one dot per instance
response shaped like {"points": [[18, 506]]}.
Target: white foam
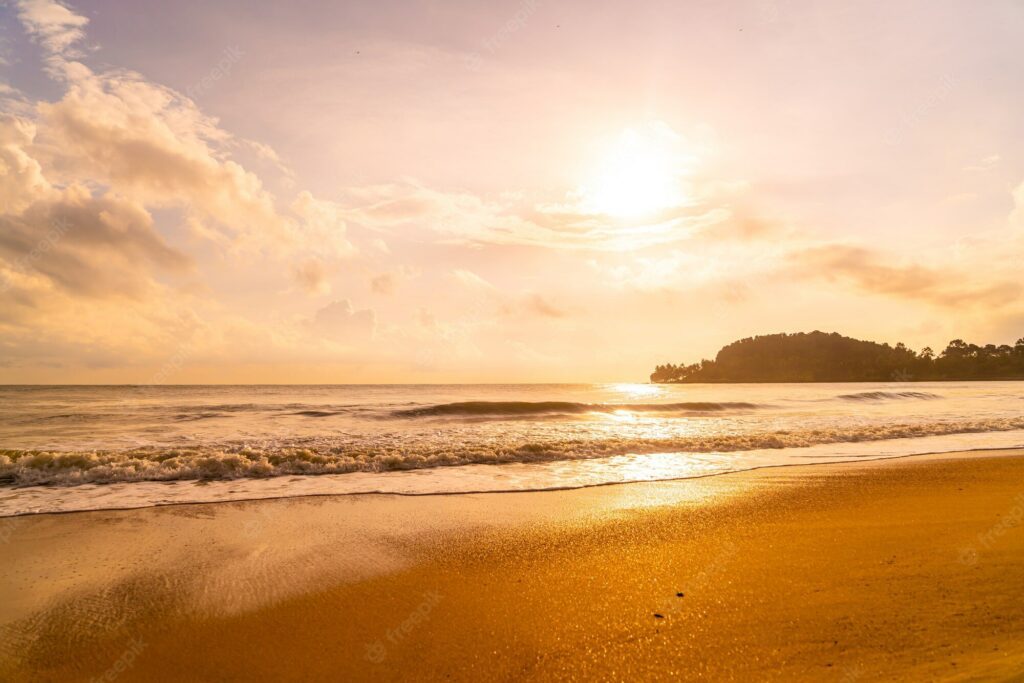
{"points": [[482, 478]]}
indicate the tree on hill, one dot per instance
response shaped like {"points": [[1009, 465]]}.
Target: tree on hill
{"points": [[822, 357]]}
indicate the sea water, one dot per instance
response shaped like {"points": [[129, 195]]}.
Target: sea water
{"points": [[94, 447]]}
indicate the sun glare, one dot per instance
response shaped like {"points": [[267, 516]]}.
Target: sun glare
{"points": [[638, 390], [639, 175]]}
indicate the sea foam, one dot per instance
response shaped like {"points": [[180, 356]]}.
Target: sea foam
{"points": [[338, 455]]}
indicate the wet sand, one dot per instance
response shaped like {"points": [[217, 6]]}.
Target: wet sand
{"points": [[906, 569]]}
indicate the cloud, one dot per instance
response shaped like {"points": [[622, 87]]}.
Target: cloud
{"points": [[868, 271], [471, 280], [323, 226], [986, 164], [426, 319], [311, 275], [52, 25], [385, 283], [1017, 216], [651, 169], [116, 192], [156, 147], [12, 100], [466, 218], [55, 330], [93, 246], [487, 300], [393, 204], [21, 176], [675, 206], [118, 127], [535, 303], [340, 321], [389, 282]]}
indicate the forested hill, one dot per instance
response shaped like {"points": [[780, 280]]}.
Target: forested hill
{"points": [[822, 357]]}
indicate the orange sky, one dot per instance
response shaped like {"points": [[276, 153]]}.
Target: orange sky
{"points": [[520, 191]]}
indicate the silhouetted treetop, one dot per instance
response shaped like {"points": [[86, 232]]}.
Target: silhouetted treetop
{"points": [[823, 357]]}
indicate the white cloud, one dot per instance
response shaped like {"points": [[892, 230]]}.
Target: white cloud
{"points": [[466, 218], [471, 280], [52, 25], [985, 164], [155, 146], [322, 226], [1017, 216], [82, 178], [340, 321], [21, 175]]}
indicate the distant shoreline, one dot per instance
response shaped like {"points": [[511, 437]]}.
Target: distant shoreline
{"points": [[512, 384], [840, 381]]}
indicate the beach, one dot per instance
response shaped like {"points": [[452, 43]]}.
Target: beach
{"points": [[907, 569], [511, 341]]}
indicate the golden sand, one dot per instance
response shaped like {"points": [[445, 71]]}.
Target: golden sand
{"points": [[898, 570]]}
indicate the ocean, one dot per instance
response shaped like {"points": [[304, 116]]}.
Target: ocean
{"points": [[66, 448]]}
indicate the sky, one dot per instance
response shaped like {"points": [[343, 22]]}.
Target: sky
{"points": [[534, 191]]}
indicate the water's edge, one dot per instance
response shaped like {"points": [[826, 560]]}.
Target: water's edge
{"points": [[1011, 451]]}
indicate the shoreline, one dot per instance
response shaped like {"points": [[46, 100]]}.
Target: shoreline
{"points": [[556, 583], [837, 460], [888, 382]]}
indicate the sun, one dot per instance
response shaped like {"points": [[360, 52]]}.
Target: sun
{"points": [[640, 174]]}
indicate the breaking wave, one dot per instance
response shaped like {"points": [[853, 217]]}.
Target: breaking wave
{"points": [[333, 456], [888, 396], [528, 408]]}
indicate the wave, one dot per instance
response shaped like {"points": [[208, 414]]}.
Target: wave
{"points": [[62, 417], [327, 456], [888, 396], [527, 408], [318, 413], [192, 417], [212, 407]]}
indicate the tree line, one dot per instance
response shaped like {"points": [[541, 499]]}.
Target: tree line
{"points": [[823, 357]]}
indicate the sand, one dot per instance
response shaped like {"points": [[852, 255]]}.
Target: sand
{"points": [[909, 569]]}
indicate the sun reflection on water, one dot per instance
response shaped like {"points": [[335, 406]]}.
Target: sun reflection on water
{"points": [[638, 390]]}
